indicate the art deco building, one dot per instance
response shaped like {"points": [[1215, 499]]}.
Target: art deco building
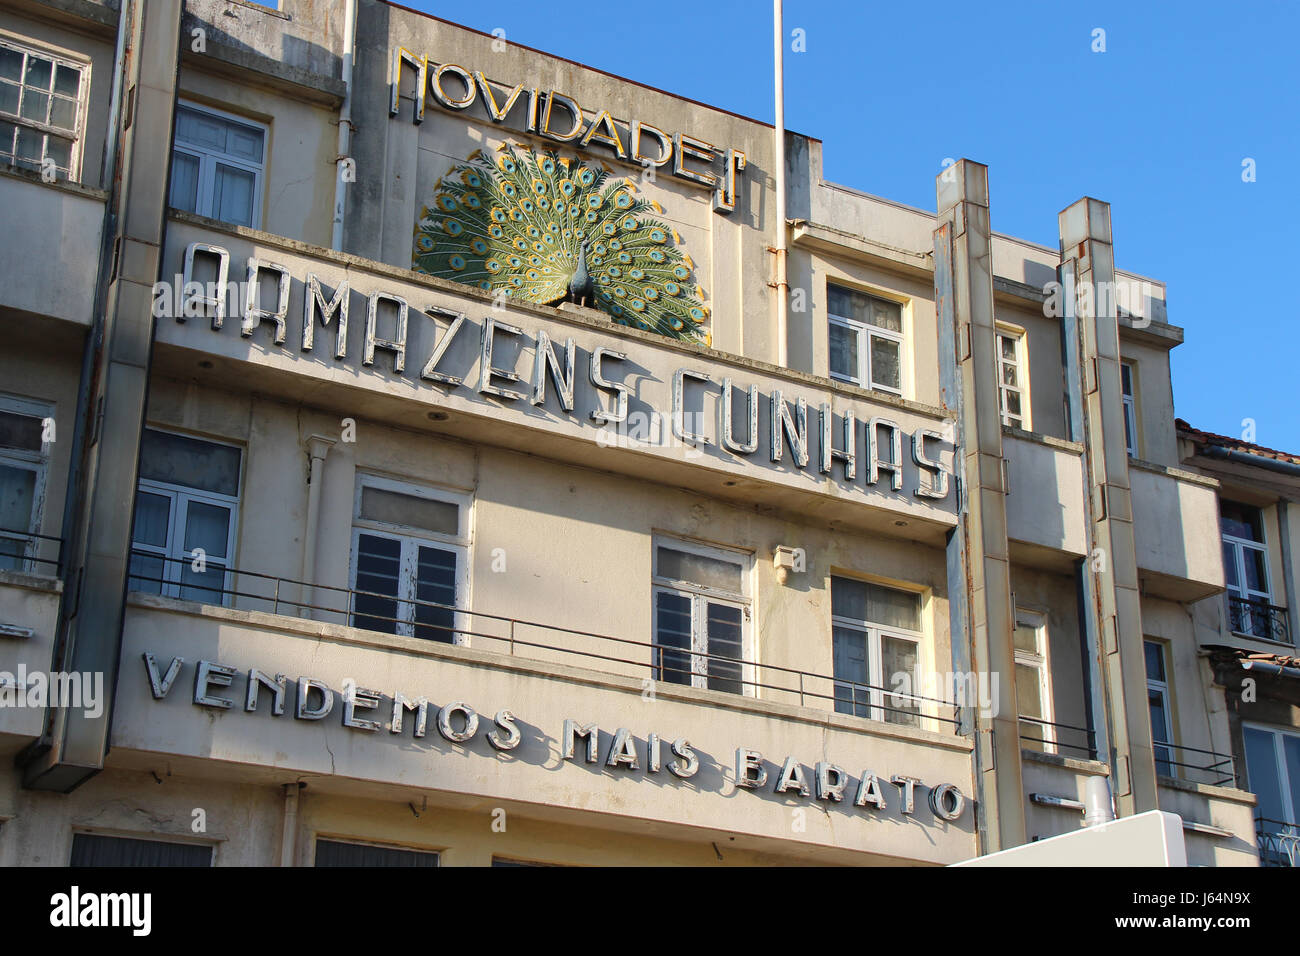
{"points": [[440, 452]]}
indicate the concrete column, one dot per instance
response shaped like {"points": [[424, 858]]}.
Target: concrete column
{"points": [[1094, 396], [318, 446], [979, 568], [111, 407]]}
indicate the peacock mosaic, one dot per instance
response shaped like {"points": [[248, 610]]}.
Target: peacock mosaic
{"points": [[544, 228]]}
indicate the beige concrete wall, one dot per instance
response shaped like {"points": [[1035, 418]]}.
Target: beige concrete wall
{"points": [[1157, 440], [1045, 504], [26, 601], [1053, 596], [1176, 532], [55, 274]]}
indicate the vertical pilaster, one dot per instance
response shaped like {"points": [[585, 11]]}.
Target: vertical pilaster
{"points": [[111, 407], [1091, 331], [979, 570]]}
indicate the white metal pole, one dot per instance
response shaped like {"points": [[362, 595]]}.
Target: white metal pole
{"points": [[782, 285], [345, 122]]}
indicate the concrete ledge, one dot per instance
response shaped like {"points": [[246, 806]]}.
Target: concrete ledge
{"points": [[1207, 790], [1060, 444], [248, 67], [31, 582], [96, 18], [583, 318], [1176, 473], [342, 634], [1092, 767], [76, 189]]}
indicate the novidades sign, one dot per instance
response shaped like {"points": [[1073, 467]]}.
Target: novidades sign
{"points": [[558, 116], [364, 711]]}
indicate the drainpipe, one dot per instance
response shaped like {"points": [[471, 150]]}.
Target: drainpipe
{"points": [[318, 447], [345, 123], [289, 838], [782, 285]]}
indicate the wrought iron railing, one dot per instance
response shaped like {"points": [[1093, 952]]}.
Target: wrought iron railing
{"points": [[1052, 737], [1278, 842], [1260, 620], [1197, 765], [252, 590], [31, 553]]}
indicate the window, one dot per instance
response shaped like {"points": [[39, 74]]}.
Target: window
{"points": [[40, 109], [1273, 775], [876, 633], [700, 608], [1033, 683], [1162, 727], [866, 340], [217, 166], [24, 456], [408, 559], [338, 853], [1130, 408], [1245, 570], [93, 850], [1012, 380], [185, 509]]}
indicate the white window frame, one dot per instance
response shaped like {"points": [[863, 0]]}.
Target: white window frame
{"points": [[875, 634], [37, 462], [411, 539], [700, 596], [1162, 687], [64, 58], [173, 553], [208, 160], [1040, 661], [1239, 546], [1132, 441], [1017, 336], [1283, 776], [865, 332]]}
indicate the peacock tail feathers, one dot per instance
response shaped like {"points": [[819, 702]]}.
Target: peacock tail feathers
{"points": [[516, 221]]}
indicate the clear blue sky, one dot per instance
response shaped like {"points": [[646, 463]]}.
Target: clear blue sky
{"points": [[1158, 125]]}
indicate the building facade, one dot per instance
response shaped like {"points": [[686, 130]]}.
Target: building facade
{"points": [[420, 449]]}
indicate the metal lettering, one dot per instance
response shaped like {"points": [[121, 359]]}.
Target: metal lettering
{"points": [[277, 685], [791, 778], [396, 345], [159, 686], [355, 698], [217, 302], [305, 687], [401, 704], [505, 721], [430, 370], [486, 371], [562, 377], [831, 781], [599, 414], [209, 674], [687, 764], [908, 786], [253, 313], [679, 401], [447, 730], [314, 303], [622, 752], [573, 730], [829, 453], [870, 792], [940, 794], [750, 772], [796, 429], [938, 486], [895, 464]]}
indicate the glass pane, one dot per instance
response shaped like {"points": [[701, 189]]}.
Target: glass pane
{"points": [[412, 511], [844, 351], [185, 182], [378, 570], [1241, 521], [17, 494], [435, 583], [232, 201], [29, 147], [67, 80], [207, 527], [36, 106], [244, 141], [860, 601], [7, 131], [1007, 347], [885, 315], [20, 431], [200, 129], [1126, 378], [724, 632], [1029, 692], [672, 630], [39, 72], [850, 662], [1155, 661], [698, 569], [9, 97], [152, 517], [63, 113], [1009, 376], [59, 150], [13, 552], [191, 462], [898, 663], [1256, 569], [1012, 402], [839, 301], [1026, 638], [146, 574], [1230, 565], [885, 369], [1262, 774], [11, 64], [204, 586], [1160, 732], [1291, 757]]}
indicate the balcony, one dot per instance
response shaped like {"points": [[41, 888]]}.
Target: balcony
{"points": [[1176, 532], [29, 610], [551, 678], [1046, 523], [1278, 841], [1260, 620]]}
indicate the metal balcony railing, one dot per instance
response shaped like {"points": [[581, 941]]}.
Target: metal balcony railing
{"points": [[1278, 842], [252, 590], [1260, 620], [29, 552], [1197, 765], [1051, 737]]}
